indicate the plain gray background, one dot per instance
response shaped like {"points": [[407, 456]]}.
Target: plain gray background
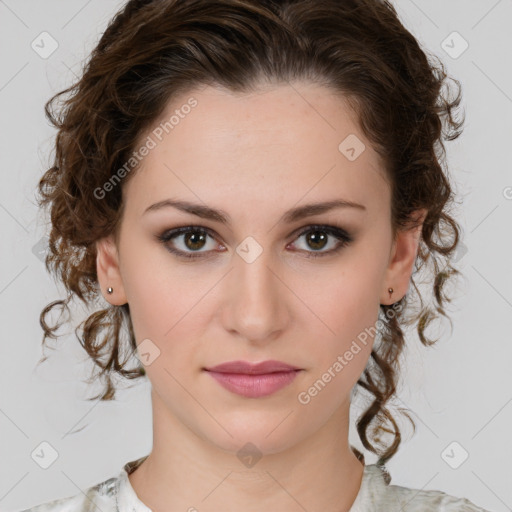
{"points": [[459, 391]]}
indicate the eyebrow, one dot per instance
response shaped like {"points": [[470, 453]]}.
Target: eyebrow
{"points": [[295, 214]]}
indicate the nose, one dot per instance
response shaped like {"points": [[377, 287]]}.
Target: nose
{"points": [[256, 307]]}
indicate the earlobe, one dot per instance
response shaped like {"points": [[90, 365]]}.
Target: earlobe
{"points": [[108, 271]]}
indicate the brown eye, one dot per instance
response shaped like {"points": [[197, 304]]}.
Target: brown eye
{"points": [[194, 240], [190, 239], [317, 240]]}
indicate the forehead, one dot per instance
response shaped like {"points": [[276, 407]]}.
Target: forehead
{"points": [[280, 143]]}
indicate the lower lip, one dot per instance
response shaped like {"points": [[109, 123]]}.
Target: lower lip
{"points": [[254, 386]]}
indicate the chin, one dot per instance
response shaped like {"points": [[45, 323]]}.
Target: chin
{"points": [[248, 434]]}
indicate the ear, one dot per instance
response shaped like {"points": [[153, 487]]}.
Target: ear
{"points": [[107, 268], [401, 262]]}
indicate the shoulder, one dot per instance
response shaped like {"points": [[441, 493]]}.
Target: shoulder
{"points": [[382, 496], [417, 500], [98, 497]]}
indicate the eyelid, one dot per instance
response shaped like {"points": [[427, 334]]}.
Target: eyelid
{"points": [[343, 237], [340, 234]]}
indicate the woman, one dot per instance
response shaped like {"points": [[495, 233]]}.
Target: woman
{"points": [[251, 186]]}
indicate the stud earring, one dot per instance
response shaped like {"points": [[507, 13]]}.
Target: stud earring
{"points": [[110, 290], [390, 290]]}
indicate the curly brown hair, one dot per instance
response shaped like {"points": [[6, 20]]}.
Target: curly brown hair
{"points": [[154, 50]]}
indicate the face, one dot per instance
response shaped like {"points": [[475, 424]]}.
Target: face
{"points": [[264, 284]]}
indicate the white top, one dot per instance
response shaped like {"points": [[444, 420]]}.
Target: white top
{"points": [[375, 495]]}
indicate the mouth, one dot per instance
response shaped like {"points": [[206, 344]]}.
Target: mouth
{"points": [[253, 380], [248, 368], [254, 385]]}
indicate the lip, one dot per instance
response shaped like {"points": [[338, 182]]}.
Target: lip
{"points": [[256, 385], [254, 380], [245, 367]]}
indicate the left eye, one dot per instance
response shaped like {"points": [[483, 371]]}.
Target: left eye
{"points": [[194, 239], [318, 239]]}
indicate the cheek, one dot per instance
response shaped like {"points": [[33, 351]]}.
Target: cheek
{"points": [[348, 308], [167, 313], [348, 300], [159, 296]]}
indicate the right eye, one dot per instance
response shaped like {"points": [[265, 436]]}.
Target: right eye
{"points": [[193, 239]]}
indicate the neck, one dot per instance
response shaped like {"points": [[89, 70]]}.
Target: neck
{"points": [[187, 472]]}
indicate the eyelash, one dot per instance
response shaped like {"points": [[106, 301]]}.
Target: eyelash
{"points": [[338, 233]]}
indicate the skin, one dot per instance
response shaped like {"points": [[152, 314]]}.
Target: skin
{"points": [[255, 156]]}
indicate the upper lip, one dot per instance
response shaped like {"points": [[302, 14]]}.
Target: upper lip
{"points": [[252, 368]]}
